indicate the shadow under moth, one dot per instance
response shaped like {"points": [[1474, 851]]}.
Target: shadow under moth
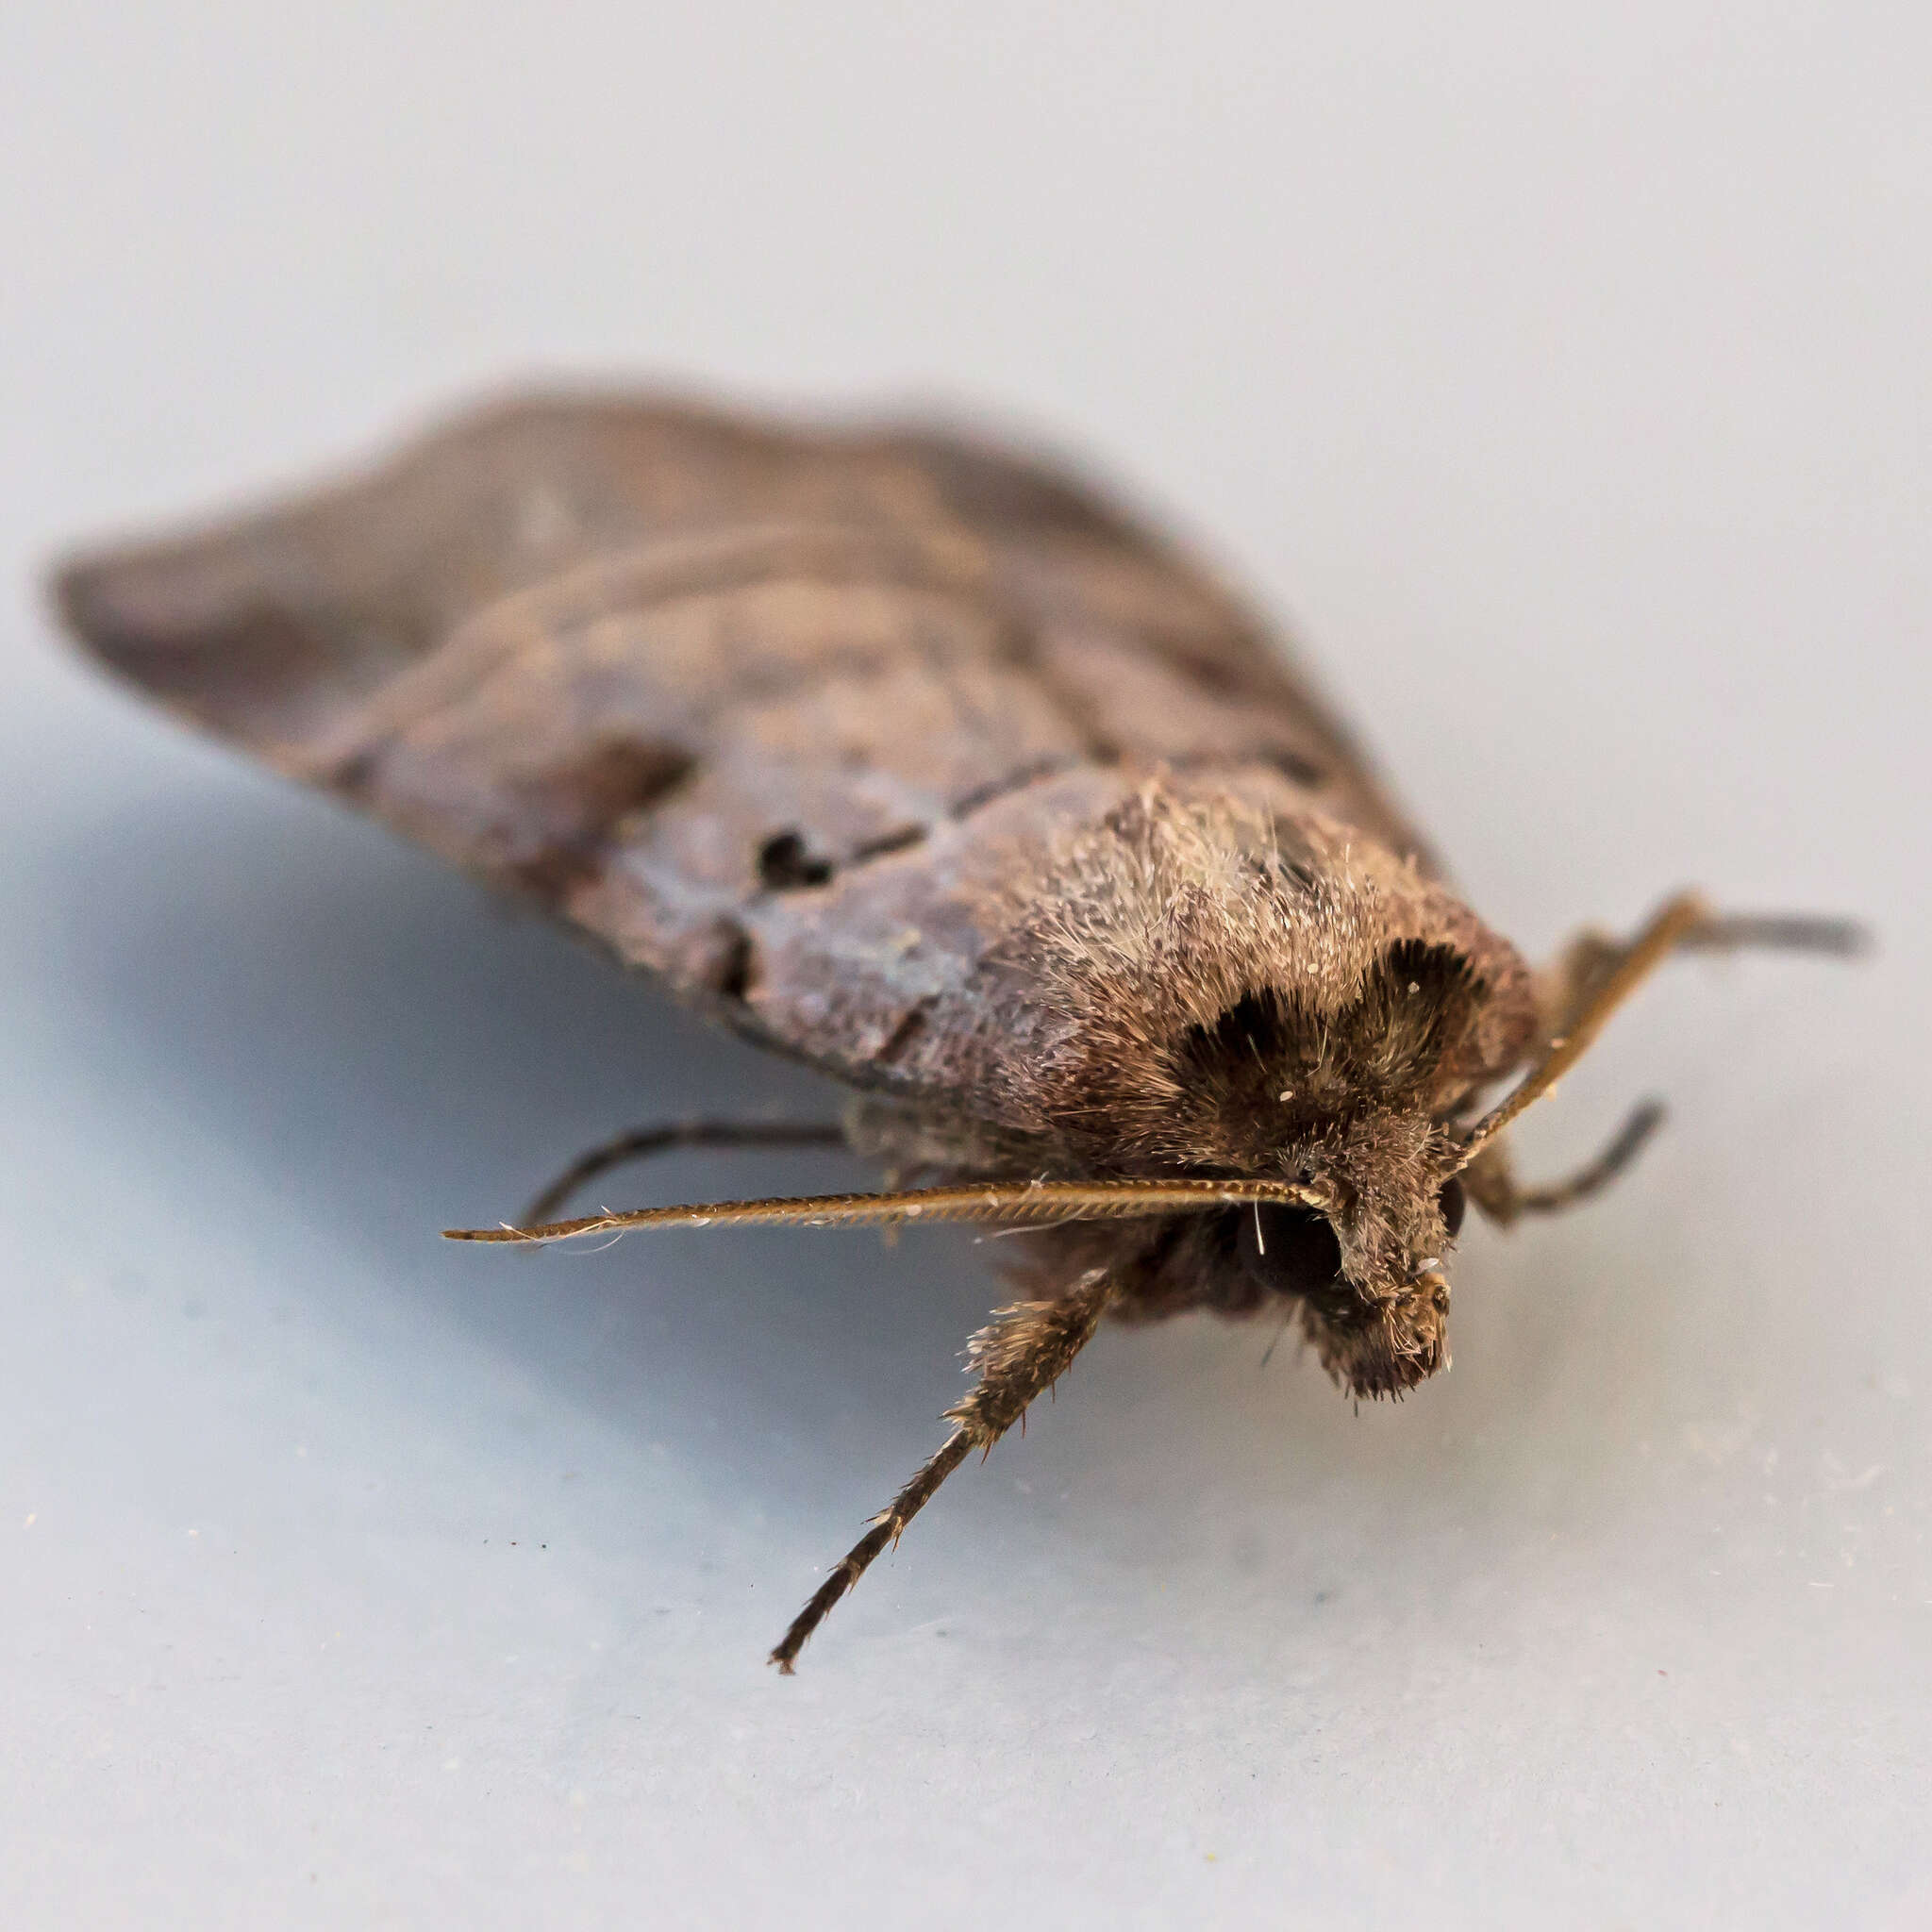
{"points": [[913, 757]]}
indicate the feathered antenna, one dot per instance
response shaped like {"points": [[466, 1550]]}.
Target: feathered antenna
{"points": [[1020, 1203]]}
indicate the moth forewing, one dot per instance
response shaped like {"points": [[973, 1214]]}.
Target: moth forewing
{"points": [[923, 761]]}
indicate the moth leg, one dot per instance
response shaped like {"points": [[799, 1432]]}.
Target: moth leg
{"points": [[1023, 1350], [1577, 994], [1563, 988], [1491, 1183], [638, 1143], [1567, 988]]}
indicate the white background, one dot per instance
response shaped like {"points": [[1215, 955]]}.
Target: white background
{"points": [[1561, 374]]}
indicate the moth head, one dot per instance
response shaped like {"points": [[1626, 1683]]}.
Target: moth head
{"points": [[1227, 992], [1354, 1102], [1369, 1291]]}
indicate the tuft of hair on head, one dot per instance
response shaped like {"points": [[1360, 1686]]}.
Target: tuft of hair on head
{"points": [[1181, 947]]}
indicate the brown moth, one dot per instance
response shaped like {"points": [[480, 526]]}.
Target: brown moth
{"points": [[914, 759]]}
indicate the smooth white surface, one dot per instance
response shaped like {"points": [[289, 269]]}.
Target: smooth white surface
{"points": [[1564, 374]]}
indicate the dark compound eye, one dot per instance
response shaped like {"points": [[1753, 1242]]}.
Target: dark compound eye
{"points": [[1288, 1250], [1455, 1204]]}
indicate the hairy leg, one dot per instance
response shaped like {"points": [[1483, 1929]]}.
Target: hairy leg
{"points": [[1576, 993], [1491, 1183], [1569, 986], [1022, 1352]]}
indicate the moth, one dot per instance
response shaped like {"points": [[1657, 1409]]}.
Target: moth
{"points": [[915, 758]]}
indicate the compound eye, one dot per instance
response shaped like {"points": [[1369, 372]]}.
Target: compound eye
{"points": [[1454, 1202], [1288, 1250]]}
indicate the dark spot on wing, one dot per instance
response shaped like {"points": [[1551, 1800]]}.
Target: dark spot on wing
{"points": [[734, 972], [787, 864]]}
